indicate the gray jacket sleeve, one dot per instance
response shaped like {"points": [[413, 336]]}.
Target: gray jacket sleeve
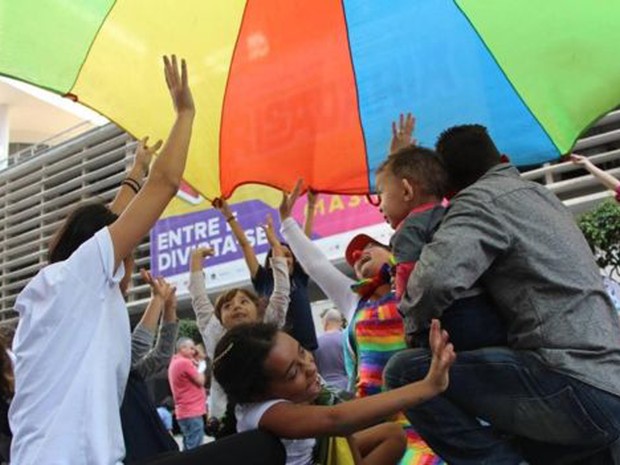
{"points": [[159, 358], [141, 343]]}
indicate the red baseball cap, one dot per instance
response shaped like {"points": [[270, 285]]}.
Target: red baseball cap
{"points": [[357, 245]]}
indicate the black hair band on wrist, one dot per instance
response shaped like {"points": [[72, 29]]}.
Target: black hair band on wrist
{"points": [[132, 184], [230, 218]]}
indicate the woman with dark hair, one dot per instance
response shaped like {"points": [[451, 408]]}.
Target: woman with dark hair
{"points": [[73, 344], [299, 320]]}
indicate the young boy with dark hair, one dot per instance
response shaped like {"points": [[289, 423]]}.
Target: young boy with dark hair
{"points": [[411, 184]]}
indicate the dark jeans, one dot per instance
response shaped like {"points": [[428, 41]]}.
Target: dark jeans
{"points": [[472, 323], [249, 448], [528, 412]]}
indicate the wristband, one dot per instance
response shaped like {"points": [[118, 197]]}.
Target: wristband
{"points": [[132, 184], [230, 218]]}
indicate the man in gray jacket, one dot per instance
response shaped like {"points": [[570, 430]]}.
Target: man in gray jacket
{"points": [[551, 396]]}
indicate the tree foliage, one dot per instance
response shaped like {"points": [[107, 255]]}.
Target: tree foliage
{"points": [[188, 328], [601, 227]]}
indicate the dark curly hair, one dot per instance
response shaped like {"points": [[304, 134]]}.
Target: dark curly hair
{"points": [[239, 361], [81, 224], [467, 152]]}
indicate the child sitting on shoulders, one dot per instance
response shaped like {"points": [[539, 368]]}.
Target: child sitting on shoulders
{"points": [[274, 382], [411, 184], [236, 306]]}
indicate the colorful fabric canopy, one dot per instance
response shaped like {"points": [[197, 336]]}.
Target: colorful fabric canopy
{"points": [[288, 89]]}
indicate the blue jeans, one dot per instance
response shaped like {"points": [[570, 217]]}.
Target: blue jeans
{"points": [[506, 407], [193, 432]]}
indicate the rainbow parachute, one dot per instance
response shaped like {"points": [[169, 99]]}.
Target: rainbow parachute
{"points": [[293, 88]]}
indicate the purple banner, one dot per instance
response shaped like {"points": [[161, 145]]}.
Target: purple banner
{"points": [[174, 238]]}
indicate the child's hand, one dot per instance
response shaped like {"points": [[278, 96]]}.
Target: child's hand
{"points": [[312, 198], [170, 304], [198, 256], [443, 358], [220, 204], [144, 155], [272, 238], [579, 159], [288, 200], [402, 136], [160, 288], [178, 86]]}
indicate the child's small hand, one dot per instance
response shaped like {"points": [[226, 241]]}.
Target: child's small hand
{"points": [[171, 300], [178, 86], [198, 256], [288, 200], [269, 230], [312, 198], [144, 154], [579, 159], [272, 237], [160, 288], [443, 358], [220, 204], [402, 135]]}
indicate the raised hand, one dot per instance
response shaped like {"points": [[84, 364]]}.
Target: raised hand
{"points": [[443, 358], [221, 204], [402, 134], [170, 306], [198, 256], [288, 200], [160, 288], [579, 159], [178, 85], [267, 226], [144, 154], [312, 198], [272, 237], [310, 210]]}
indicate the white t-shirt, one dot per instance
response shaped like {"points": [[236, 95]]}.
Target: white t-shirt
{"points": [[298, 451], [73, 355]]}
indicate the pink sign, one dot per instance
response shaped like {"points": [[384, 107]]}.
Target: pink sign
{"points": [[336, 214]]}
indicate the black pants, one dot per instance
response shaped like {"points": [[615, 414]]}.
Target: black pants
{"points": [[249, 448]]}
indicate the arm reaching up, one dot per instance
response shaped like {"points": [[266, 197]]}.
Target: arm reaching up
{"points": [[335, 284], [246, 247], [604, 178], [130, 186], [165, 176], [210, 327], [157, 359], [144, 332], [402, 135], [310, 211], [280, 297]]}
